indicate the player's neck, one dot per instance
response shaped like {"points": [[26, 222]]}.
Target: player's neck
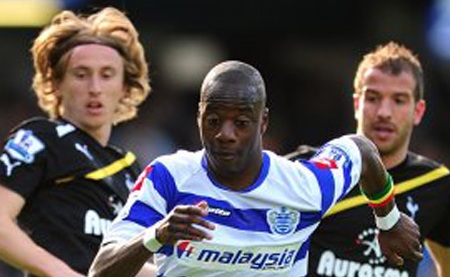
{"points": [[101, 134], [391, 160]]}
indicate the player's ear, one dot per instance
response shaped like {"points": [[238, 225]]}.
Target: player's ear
{"points": [[265, 120], [356, 104], [199, 114], [419, 111]]}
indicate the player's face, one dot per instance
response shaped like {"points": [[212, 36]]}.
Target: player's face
{"points": [[231, 133], [386, 111], [92, 86]]}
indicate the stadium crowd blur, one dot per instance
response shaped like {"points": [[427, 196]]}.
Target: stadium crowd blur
{"points": [[307, 52]]}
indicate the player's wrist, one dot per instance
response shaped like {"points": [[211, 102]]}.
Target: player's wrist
{"points": [[383, 197], [149, 239], [387, 222]]}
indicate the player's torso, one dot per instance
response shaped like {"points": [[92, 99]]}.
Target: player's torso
{"points": [[345, 242], [264, 230], [80, 190]]}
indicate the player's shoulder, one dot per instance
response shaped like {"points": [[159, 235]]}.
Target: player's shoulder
{"points": [[302, 151], [44, 127], [340, 144], [420, 162], [36, 124]]}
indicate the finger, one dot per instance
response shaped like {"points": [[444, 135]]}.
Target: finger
{"points": [[183, 232], [417, 256], [189, 219], [190, 209], [202, 204], [397, 260]]}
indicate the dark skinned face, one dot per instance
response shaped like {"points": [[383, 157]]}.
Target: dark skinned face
{"points": [[231, 126]]}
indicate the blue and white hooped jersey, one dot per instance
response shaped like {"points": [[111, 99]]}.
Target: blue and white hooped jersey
{"points": [[263, 230]]}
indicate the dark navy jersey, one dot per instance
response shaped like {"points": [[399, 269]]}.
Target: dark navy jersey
{"points": [[72, 185], [345, 243]]}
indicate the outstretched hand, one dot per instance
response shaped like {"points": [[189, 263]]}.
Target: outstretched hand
{"points": [[184, 222], [401, 242]]}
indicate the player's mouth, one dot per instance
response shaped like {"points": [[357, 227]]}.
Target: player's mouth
{"points": [[224, 155], [94, 108], [383, 131]]}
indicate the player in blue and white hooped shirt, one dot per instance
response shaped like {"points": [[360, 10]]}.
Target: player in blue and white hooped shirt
{"points": [[233, 209]]}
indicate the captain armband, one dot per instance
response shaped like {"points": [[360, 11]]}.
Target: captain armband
{"points": [[381, 199]]}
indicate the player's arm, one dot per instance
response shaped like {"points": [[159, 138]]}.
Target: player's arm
{"points": [[441, 256], [18, 249], [399, 235], [148, 270], [127, 258]]}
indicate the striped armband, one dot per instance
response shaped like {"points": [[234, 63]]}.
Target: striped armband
{"points": [[149, 240], [382, 198]]}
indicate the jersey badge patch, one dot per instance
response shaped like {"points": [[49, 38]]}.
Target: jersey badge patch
{"points": [[24, 146], [63, 130], [283, 221], [324, 163]]}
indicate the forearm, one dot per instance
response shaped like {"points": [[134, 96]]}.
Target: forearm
{"points": [[374, 177], [17, 249], [120, 259]]}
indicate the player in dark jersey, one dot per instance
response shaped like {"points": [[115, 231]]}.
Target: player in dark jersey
{"points": [[388, 103], [61, 181]]}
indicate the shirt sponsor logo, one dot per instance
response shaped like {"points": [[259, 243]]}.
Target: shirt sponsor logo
{"points": [[24, 146], [373, 266], [283, 220], [94, 224], [330, 265], [221, 257]]}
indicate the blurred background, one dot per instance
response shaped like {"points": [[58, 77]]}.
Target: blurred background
{"points": [[306, 50]]}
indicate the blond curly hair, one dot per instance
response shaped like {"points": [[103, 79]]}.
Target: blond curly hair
{"points": [[109, 27], [394, 59]]}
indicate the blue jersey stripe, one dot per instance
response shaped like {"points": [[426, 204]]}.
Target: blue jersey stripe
{"points": [[301, 254], [326, 183], [308, 218], [143, 214], [164, 184]]}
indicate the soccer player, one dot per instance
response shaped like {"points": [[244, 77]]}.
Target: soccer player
{"points": [[61, 181], [234, 209], [388, 103]]}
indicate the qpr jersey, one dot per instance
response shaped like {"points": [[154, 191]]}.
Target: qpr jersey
{"points": [[263, 230]]}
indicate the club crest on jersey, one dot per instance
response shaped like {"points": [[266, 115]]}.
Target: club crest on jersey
{"points": [[324, 163], [24, 146], [330, 157], [283, 220]]}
